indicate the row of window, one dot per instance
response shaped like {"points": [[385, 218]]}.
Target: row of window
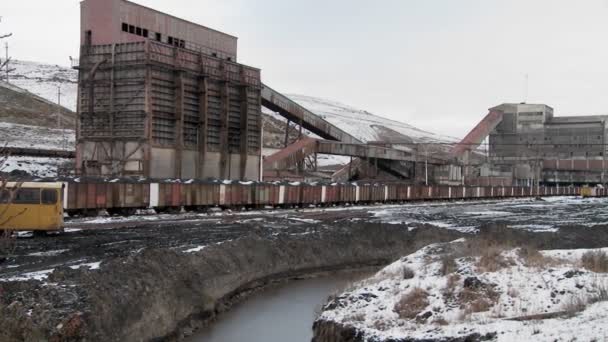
{"points": [[136, 30], [30, 196], [142, 32]]}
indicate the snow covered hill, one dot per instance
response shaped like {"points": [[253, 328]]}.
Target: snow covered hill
{"points": [[364, 125], [44, 80], [476, 291]]}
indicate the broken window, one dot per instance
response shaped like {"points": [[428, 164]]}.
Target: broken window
{"points": [[131, 29], [145, 33], [170, 40], [138, 31], [125, 27], [159, 37]]}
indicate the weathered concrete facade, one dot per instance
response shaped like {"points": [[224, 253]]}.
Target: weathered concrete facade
{"points": [[121, 21], [163, 108], [533, 145]]}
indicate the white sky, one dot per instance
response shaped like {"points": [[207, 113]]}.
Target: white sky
{"points": [[436, 64]]}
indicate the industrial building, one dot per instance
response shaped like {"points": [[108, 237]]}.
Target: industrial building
{"points": [[528, 144], [162, 97]]}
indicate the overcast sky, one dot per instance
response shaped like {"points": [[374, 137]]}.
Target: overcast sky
{"points": [[436, 64]]}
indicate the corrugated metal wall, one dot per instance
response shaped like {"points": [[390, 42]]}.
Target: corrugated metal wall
{"points": [[161, 97]]}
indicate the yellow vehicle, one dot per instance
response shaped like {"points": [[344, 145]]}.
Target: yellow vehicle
{"points": [[34, 207]]}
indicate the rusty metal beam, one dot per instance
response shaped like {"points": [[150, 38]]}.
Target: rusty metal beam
{"points": [[479, 133], [292, 111], [203, 87], [224, 142], [244, 131], [179, 123]]}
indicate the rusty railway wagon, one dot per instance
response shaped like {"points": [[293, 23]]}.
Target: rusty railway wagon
{"points": [[126, 197]]}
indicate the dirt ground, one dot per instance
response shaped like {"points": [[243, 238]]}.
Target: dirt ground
{"points": [[111, 278]]}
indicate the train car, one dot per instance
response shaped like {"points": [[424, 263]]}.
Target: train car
{"points": [[265, 194], [87, 198], [292, 194], [311, 194], [332, 194], [349, 193], [34, 207]]}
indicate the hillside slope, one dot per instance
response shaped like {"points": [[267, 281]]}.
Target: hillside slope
{"points": [[366, 126]]}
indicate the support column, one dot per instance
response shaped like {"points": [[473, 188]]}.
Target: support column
{"points": [[286, 134], [179, 123], [148, 125], [244, 131], [111, 113], [203, 86], [224, 143]]}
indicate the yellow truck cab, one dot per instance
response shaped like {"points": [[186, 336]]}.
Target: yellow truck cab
{"points": [[31, 207]]}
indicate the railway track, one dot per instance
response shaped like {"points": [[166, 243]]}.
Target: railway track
{"points": [[35, 152]]}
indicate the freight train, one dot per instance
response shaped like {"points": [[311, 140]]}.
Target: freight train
{"points": [[126, 197]]}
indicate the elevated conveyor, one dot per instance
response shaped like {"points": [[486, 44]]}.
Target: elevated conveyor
{"points": [[298, 151], [479, 133], [292, 111]]}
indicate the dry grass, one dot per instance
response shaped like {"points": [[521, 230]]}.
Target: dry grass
{"points": [[596, 261], [448, 264], [412, 303], [579, 303], [449, 292], [575, 305], [440, 321], [532, 257], [476, 301], [491, 259], [358, 317]]}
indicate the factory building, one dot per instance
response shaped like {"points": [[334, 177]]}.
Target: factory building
{"points": [[162, 97], [531, 145]]}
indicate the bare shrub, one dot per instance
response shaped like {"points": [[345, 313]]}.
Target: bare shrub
{"points": [[602, 292], [479, 298], [575, 305], [449, 292], [491, 259], [475, 301], [381, 325], [412, 303], [358, 317], [532, 257], [448, 264], [596, 261], [408, 273], [440, 321], [488, 250]]}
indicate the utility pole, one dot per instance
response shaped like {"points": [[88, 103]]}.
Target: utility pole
{"points": [[58, 107], [426, 166], [7, 63]]}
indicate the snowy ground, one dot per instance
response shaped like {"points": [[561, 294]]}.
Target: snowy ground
{"points": [[35, 166], [548, 214], [44, 80], [24, 136], [545, 215], [547, 296]]}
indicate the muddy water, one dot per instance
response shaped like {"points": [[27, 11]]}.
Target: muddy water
{"points": [[281, 313]]}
